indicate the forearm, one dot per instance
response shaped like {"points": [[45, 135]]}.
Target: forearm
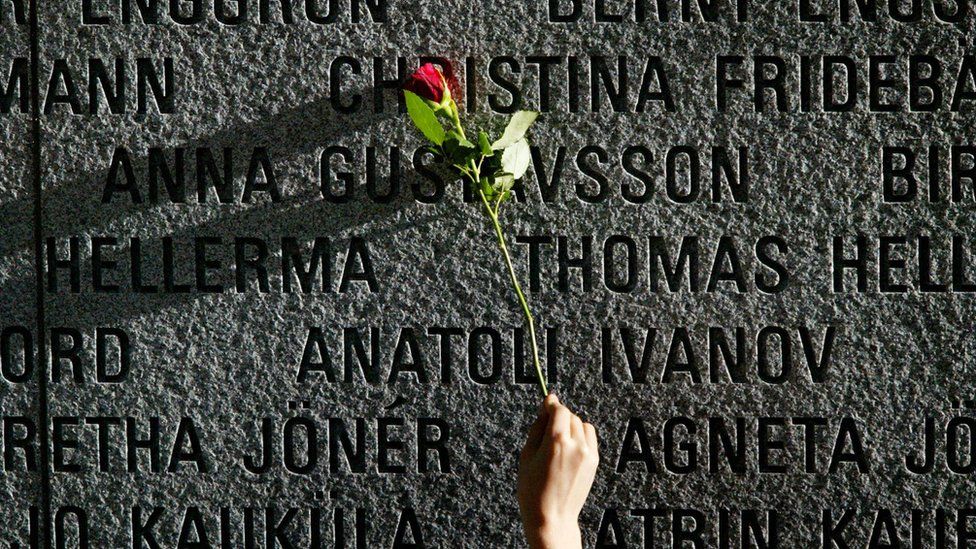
{"points": [[566, 536]]}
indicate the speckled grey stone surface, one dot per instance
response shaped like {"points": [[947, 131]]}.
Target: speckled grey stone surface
{"points": [[18, 487], [229, 360]]}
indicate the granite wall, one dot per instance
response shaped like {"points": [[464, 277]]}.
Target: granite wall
{"points": [[243, 307]]}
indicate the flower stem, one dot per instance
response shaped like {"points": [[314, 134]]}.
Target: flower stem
{"points": [[493, 215], [475, 174]]}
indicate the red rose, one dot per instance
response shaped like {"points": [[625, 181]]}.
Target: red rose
{"points": [[427, 82]]}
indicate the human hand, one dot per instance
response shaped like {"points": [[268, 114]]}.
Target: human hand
{"points": [[556, 471]]}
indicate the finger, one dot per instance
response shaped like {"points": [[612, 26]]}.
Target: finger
{"points": [[538, 428], [591, 440], [576, 428], [536, 432], [560, 419], [548, 403]]}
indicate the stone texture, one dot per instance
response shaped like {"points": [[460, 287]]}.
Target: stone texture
{"points": [[19, 484], [226, 361]]}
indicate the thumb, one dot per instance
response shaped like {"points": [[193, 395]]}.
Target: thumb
{"points": [[538, 429]]}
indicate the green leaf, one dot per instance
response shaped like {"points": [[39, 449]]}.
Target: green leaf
{"points": [[484, 144], [516, 157], [449, 146], [503, 182], [497, 187], [462, 141], [486, 188], [458, 151], [517, 126], [423, 117]]}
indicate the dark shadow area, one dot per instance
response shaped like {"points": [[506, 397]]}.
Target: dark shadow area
{"points": [[301, 213], [287, 133], [72, 208]]}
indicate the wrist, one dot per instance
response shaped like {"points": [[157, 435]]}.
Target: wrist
{"points": [[554, 535]]}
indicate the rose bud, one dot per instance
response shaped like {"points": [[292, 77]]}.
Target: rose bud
{"points": [[429, 83], [453, 86]]}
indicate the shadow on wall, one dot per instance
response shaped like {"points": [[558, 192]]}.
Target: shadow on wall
{"points": [[286, 134]]}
